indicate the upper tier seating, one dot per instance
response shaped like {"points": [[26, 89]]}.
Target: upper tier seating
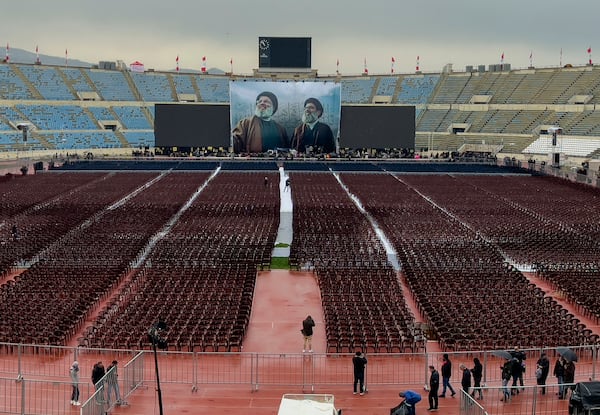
{"points": [[48, 82], [111, 85]]}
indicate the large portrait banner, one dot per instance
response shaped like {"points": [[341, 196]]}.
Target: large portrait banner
{"points": [[298, 116]]}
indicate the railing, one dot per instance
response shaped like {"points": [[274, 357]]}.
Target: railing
{"points": [[35, 379], [528, 401], [96, 404], [36, 396]]}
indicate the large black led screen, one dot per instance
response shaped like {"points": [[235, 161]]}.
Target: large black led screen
{"points": [[377, 126], [284, 52], [191, 125]]}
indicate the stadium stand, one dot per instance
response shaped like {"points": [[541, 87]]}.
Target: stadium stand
{"points": [[213, 88], [358, 91], [13, 86], [112, 85], [417, 89], [153, 87], [48, 82], [496, 107]]}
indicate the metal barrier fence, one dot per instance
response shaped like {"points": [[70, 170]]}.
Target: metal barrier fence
{"points": [[36, 361], [37, 397], [133, 375], [24, 366], [97, 404], [529, 400]]}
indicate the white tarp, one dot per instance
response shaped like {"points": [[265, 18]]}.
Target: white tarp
{"points": [[306, 405]]}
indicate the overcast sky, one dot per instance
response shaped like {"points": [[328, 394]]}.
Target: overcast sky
{"points": [[461, 32]]}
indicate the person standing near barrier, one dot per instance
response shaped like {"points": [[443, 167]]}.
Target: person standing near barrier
{"points": [[434, 387], [465, 381], [477, 373], [559, 372], [518, 368], [569, 376], [359, 361], [307, 331], [446, 375], [74, 373], [541, 372], [98, 373], [112, 382], [506, 375]]}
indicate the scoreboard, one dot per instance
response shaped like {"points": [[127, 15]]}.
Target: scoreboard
{"points": [[284, 52]]}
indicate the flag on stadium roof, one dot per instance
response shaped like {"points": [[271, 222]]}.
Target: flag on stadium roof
{"points": [[366, 70], [418, 60], [177, 63], [393, 62], [203, 68], [7, 53]]}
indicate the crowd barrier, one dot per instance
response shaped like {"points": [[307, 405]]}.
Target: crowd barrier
{"points": [[35, 379], [529, 400], [37, 396]]}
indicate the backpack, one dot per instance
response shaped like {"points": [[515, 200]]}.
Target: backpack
{"points": [[401, 409]]}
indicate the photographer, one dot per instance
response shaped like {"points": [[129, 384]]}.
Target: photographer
{"points": [[359, 361]]}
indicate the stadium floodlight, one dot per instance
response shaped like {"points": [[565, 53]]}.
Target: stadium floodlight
{"points": [[26, 128]]}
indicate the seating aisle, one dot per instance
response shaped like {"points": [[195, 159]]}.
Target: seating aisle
{"points": [[282, 300]]}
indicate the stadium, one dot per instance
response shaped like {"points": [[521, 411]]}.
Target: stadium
{"points": [[130, 233]]}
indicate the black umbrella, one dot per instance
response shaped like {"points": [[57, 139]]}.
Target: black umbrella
{"points": [[505, 354], [567, 353]]}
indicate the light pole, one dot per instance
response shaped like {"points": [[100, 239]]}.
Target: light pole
{"points": [[154, 335]]}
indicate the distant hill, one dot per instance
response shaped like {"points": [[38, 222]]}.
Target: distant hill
{"points": [[23, 56]]}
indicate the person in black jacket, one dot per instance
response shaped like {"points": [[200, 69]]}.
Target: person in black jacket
{"points": [[307, 331], [516, 373], [359, 361], [541, 372], [559, 372], [434, 387], [465, 381], [446, 375], [569, 375], [477, 373], [98, 373], [506, 375], [519, 358]]}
